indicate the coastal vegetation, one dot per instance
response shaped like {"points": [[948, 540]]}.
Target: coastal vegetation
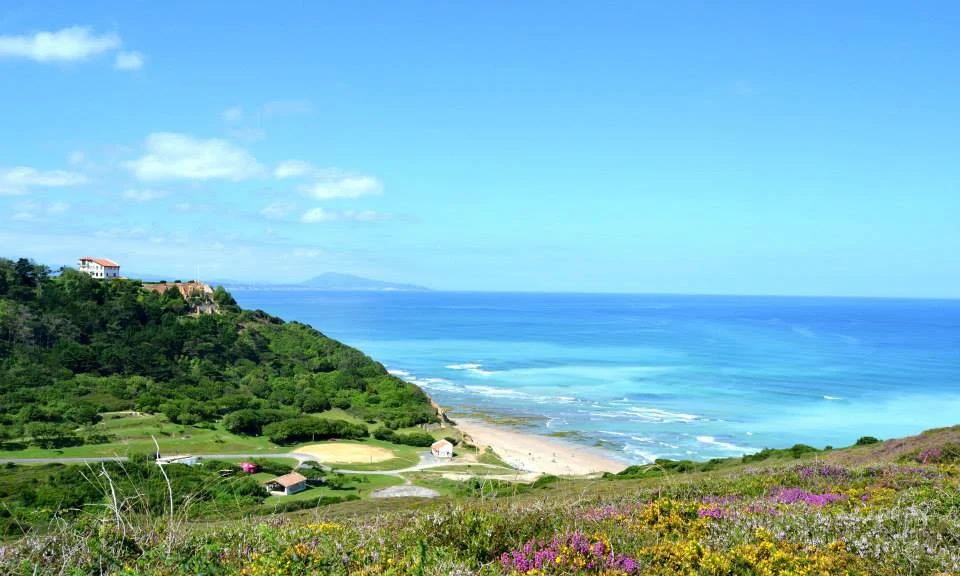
{"points": [[107, 368], [74, 349], [895, 512]]}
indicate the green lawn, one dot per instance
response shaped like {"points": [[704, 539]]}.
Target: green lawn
{"points": [[134, 436], [362, 486]]}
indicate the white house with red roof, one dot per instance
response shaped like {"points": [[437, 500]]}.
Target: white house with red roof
{"points": [[99, 267]]}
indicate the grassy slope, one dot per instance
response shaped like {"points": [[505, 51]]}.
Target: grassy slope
{"points": [[135, 436], [912, 514]]}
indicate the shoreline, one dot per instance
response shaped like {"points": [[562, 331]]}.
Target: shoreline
{"points": [[534, 453]]}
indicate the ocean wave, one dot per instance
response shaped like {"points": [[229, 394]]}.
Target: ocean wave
{"points": [[825, 397], [711, 441], [645, 456], [471, 367], [399, 373], [498, 392], [659, 416], [611, 433]]}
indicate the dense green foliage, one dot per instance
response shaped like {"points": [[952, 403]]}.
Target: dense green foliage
{"points": [[311, 428], [417, 438], [32, 495], [867, 440], [73, 347]]}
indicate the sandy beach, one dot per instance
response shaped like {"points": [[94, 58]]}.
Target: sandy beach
{"points": [[533, 453]]}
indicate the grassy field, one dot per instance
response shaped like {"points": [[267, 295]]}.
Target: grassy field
{"points": [[892, 513], [360, 485], [134, 435]]}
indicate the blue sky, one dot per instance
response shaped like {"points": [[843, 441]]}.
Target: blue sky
{"points": [[805, 148]]}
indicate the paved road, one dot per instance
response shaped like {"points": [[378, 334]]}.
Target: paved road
{"points": [[426, 462], [63, 460]]}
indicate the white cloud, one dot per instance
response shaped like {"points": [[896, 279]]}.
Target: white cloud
{"points": [[277, 210], [185, 207], [293, 169], [232, 114], [317, 215], [57, 208], [328, 183], [286, 108], [67, 45], [142, 195], [30, 211], [20, 179], [173, 156], [331, 184], [129, 60], [76, 158]]}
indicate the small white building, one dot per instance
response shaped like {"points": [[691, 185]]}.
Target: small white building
{"points": [[287, 484], [185, 459], [442, 449], [99, 267]]}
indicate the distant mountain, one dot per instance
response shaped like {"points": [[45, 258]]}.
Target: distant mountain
{"points": [[335, 281]]}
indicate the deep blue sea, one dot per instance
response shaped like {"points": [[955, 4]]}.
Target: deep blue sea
{"points": [[661, 376]]}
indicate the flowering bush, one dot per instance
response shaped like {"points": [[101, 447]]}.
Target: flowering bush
{"points": [[572, 553], [812, 520]]}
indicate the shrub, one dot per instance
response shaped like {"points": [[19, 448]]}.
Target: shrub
{"points": [[311, 428], [416, 438], [312, 503], [866, 441], [251, 422]]}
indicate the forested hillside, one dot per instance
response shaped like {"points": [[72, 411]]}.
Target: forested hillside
{"points": [[72, 348]]}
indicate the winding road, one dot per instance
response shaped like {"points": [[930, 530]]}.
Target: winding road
{"points": [[426, 462]]}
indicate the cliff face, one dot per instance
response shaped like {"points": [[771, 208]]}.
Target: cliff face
{"points": [[186, 289], [197, 294]]}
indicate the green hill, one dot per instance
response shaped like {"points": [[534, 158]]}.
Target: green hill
{"points": [[896, 512], [73, 348], [100, 368]]}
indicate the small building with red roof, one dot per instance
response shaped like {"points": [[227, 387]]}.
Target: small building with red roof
{"points": [[99, 267]]}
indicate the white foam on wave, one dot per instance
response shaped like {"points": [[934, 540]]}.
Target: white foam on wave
{"points": [[399, 373], [611, 433], [466, 366], [656, 415], [825, 397], [710, 440], [498, 392], [471, 367], [644, 455]]}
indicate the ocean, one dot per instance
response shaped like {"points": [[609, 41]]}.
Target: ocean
{"points": [[649, 376]]}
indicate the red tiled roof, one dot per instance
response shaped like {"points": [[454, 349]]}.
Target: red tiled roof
{"points": [[288, 480], [101, 261], [441, 443]]}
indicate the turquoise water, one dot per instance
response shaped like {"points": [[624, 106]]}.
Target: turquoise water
{"points": [[661, 376]]}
